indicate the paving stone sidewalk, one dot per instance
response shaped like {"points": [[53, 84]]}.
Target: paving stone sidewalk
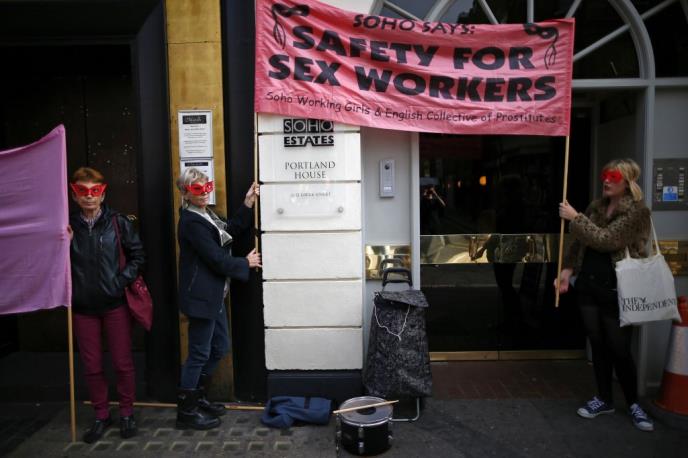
{"points": [[447, 428]]}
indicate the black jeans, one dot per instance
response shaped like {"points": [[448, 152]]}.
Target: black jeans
{"points": [[611, 344]]}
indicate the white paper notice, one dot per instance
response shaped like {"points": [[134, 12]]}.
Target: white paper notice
{"points": [[203, 165], [195, 134]]}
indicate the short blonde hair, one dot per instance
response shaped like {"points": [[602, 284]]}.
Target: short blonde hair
{"points": [[189, 176], [630, 171]]}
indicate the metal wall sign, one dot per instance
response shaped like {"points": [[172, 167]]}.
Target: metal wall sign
{"points": [[195, 133], [375, 254], [274, 124], [669, 184], [341, 161], [307, 132], [310, 206]]}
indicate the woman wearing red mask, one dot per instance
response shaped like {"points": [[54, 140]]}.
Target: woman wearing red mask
{"points": [[618, 220], [98, 297], [206, 265]]}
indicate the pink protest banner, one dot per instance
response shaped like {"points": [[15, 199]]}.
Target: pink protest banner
{"points": [[317, 61], [34, 245]]}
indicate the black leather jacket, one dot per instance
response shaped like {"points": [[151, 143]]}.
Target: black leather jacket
{"points": [[97, 283]]}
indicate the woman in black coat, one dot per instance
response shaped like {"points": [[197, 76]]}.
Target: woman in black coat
{"points": [[206, 266], [98, 298]]}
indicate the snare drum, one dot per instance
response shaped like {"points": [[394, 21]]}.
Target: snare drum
{"points": [[366, 431]]}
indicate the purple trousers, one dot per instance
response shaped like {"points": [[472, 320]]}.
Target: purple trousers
{"points": [[89, 330]]}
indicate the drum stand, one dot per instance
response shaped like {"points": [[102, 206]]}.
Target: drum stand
{"points": [[410, 420]]}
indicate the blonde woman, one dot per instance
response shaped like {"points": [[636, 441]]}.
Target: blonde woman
{"points": [[618, 220], [206, 265]]}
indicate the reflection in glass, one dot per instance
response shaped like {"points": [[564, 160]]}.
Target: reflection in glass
{"points": [[470, 12], [488, 219], [644, 5], [616, 59], [390, 13], [551, 9], [467, 174], [668, 31], [457, 10], [595, 19], [418, 9]]}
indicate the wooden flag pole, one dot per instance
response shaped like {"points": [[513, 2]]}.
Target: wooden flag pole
{"points": [[561, 228], [256, 205], [169, 405], [72, 401]]}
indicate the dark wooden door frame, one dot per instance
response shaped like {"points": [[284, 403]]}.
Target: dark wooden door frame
{"points": [[141, 25], [248, 335], [149, 68]]}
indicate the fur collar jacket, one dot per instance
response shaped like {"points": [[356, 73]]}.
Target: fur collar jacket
{"points": [[627, 226]]}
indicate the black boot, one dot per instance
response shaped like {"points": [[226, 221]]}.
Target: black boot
{"points": [[127, 427], [189, 415], [213, 408], [97, 430]]}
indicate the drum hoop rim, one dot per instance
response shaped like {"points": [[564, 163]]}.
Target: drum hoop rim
{"points": [[367, 425]]}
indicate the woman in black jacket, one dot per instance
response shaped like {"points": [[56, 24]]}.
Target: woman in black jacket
{"points": [[206, 265], [98, 298]]}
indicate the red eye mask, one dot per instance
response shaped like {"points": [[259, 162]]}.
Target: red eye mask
{"points": [[82, 191], [614, 176], [199, 189]]}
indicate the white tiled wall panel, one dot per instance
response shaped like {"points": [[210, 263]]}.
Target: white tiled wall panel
{"points": [[311, 207], [318, 303], [312, 247], [313, 349], [308, 255]]}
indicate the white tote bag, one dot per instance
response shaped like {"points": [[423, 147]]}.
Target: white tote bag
{"points": [[646, 288]]}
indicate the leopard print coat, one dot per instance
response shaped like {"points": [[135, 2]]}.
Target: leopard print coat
{"points": [[628, 226]]}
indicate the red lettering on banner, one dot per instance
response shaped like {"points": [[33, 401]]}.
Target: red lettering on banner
{"points": [[317, 61]]}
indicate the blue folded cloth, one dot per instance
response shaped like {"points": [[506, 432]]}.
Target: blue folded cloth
{"points": [[283, 411]]}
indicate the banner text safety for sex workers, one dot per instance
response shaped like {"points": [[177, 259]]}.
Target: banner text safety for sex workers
{"points": [[408, 83]]}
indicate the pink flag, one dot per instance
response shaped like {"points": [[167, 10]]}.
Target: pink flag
{"points": [[316, 61], [34, 246]]}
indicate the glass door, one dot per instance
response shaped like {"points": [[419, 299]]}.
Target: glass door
{"points": [[489, 243]]}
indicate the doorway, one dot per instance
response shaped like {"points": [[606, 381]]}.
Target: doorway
{"points": [[489, 234], [89, 89], [103, 75]]}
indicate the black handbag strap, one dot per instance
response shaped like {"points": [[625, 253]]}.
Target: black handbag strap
{"points": [[404, 276], [393, 261], [122, 259]]}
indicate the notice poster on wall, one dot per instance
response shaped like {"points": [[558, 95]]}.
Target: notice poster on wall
{"points": [[195, 133], [205, 166]]}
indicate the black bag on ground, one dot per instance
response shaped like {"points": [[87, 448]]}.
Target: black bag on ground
{"points": [[398, 362]]}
